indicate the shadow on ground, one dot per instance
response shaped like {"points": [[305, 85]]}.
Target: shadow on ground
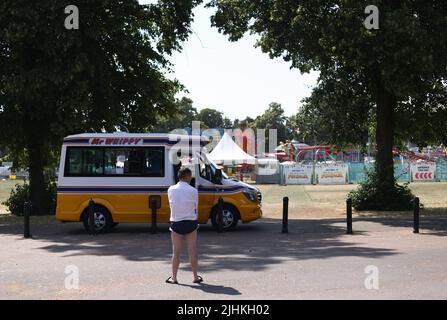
{"points": [[253, 246], [432, 221], [214, 289]]}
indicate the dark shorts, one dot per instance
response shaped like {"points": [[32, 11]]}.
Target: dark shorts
{"points": [[184, 227]]}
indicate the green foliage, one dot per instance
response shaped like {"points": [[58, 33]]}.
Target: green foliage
{"points": [[243, 124], [425, 124], [56, 81], [21, 194], [320, 120], [407, 50], [227, 123], [111, 71], [375, 194], [211, 118], [51, 193], [273, 118], [18, 196], [183, 117]]}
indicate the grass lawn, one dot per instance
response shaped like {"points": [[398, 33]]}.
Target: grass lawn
{"points": [[325, 201]]}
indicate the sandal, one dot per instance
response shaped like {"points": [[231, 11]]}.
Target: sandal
{"points": [[170, 281], [198, 280]]}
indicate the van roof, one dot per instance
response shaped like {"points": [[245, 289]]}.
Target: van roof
{"points": [[124, 138]]}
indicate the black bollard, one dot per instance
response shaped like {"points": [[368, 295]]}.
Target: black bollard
{"points": [[349, 215], [26, 215], [285, 215], [416, 207], [91, 217], [154, 216], [220, 215]]}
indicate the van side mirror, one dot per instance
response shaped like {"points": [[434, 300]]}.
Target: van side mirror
{"points": [[218, 176]]}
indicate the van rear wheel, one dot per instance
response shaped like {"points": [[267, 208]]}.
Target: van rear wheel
{"points": [[102, 219], [230, 217]]}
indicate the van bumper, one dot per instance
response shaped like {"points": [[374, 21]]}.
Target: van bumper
{"points": [[250, 214]]}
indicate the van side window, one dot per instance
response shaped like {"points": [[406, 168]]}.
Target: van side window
{"points": [[154, 162], [124, 161], [85, 161], [115, 161]]}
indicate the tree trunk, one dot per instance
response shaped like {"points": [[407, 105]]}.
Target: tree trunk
{"points": [[37, 181], [386, 106]]}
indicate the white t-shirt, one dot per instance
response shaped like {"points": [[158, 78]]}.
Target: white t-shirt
{"points": [[183, 201]]}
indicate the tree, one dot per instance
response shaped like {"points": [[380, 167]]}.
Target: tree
{"points": [[425, 124], [243, 124], [211, 118], [183, 117], [402, 60], [110, 71], [227, 123], [272, 118], [320, 120]]}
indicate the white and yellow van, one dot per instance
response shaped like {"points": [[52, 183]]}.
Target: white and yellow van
{"points": [[122, 172]]}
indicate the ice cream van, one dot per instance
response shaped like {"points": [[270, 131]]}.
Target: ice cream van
{"points": [[123, 172]]}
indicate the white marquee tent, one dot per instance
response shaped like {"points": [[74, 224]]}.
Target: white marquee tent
{"points": [[228, 151]]}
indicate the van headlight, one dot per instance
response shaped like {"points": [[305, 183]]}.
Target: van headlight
{"points": [[251, 196]]}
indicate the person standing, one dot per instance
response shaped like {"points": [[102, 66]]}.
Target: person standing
{"points": [[183, 201]]}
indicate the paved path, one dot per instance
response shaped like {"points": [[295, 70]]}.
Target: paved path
{"points": [[315, 260]]}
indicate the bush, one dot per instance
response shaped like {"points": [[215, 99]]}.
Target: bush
{"points": [[374, 194], [52, 196], [18, 196], [21, 194]]}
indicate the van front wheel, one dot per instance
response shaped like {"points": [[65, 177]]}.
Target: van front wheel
{"points": [[102, 219], [230, 217]]}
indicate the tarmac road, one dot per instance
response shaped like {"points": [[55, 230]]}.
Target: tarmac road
{"points": [[316, 260]]}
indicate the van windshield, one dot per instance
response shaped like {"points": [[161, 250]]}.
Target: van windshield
{"points": [[208, 168], [214, 167]]}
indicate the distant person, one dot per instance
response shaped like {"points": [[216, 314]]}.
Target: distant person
{"points": [[183, 200]]}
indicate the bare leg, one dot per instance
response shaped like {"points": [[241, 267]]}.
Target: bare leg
{"points": [[177, 246], [191, 240]]}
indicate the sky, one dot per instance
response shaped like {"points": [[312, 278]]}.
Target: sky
{"points": [[234, 77]]}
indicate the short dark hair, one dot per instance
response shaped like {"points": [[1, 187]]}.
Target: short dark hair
{"points": [[184, 172]]}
